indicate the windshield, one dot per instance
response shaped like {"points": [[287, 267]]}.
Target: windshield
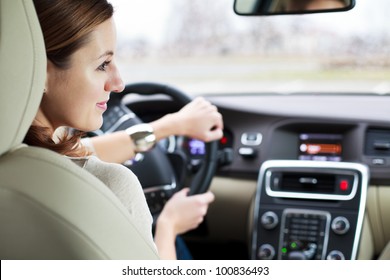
{"points": [[202, 47]]}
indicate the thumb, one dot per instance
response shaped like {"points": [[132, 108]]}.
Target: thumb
{"points": [[184, 191]]}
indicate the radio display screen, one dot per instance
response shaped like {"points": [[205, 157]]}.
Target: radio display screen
{"points": [[320, 147]]}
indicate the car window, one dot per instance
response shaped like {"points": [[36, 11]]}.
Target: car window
{"points": [[201, 46]]}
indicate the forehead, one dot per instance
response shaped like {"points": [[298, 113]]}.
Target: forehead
{"points": [[101, 41]]}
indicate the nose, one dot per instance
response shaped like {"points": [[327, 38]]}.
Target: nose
{"points": [[115, 83]]}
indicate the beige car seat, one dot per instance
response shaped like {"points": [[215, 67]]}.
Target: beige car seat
{"points": [[49, 207]]}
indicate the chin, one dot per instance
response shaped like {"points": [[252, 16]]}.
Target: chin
{"points": [[97, 125]]}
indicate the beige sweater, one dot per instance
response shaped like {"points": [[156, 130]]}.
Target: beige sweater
{"points": [[126, 186]]}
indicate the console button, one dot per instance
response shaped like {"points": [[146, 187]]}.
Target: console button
{"points": [[269, 220], [266, 252], [248, 153], [303, 234], [251, 139], [335, 255], [340, 225]]}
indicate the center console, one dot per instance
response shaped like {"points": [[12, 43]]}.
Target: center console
{"points": [[308, 210]]}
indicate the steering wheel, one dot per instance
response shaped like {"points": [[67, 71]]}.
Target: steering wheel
{"points": [[162, 173]]}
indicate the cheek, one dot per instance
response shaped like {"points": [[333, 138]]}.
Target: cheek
{"points": [[75, 107], [81, 91], [86, 114], [73, 103]]}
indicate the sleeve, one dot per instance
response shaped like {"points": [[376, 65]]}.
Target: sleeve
{"points": [[87, 143]]}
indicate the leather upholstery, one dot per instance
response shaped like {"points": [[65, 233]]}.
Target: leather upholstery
{"points": [[49, 207]]}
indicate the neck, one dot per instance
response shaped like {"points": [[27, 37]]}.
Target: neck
{"points": [[41, 120]]}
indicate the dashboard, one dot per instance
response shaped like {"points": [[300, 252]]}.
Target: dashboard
{"points": [[302, 139], [318, 127], [299, 129], [301, 150]]}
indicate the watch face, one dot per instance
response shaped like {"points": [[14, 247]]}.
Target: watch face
{"points": [[142, 136]]}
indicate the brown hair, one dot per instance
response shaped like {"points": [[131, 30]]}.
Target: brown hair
{"points": [[66, 27], [68, 142]]}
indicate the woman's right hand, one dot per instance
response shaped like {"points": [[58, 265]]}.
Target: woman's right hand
{"points": [[200, 119], [183, 213]]}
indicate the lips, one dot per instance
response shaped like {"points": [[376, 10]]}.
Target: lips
{"points": [[102, 105]]}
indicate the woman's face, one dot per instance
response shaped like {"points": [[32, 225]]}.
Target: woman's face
{"points": [[77, 97]]}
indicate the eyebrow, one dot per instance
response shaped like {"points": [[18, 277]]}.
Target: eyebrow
{"points": [[107, 53]]}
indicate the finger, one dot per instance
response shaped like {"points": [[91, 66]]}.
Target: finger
{"points": [[182, 193], [217, 120], [211, 196], [207, 197], [185, 190], [214, 135]]}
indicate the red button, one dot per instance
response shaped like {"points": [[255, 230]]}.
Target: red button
{"points": [[344, 186]]}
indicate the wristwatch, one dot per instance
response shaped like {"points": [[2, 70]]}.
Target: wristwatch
{"points": [[142, 136]]}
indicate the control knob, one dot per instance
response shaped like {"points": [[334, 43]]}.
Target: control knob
{"points": [[266, 252], [340, 225], [335, 255], [269, 220]]}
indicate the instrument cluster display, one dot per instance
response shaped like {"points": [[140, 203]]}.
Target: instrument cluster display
{"points": [[196, 147]]}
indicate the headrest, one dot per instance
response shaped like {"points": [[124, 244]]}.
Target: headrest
{"points": [[22, 70]]}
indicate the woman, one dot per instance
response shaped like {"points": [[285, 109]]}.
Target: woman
{"points": [[80, 44]]}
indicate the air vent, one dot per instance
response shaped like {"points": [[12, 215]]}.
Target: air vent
{"points": [[377, 142], [313, 184], [297, 179], [305, 182]]}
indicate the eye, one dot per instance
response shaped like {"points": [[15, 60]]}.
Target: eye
{"points": [[104, 65]]}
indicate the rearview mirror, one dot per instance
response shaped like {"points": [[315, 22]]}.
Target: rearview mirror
{"points": [[279, 7]]}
